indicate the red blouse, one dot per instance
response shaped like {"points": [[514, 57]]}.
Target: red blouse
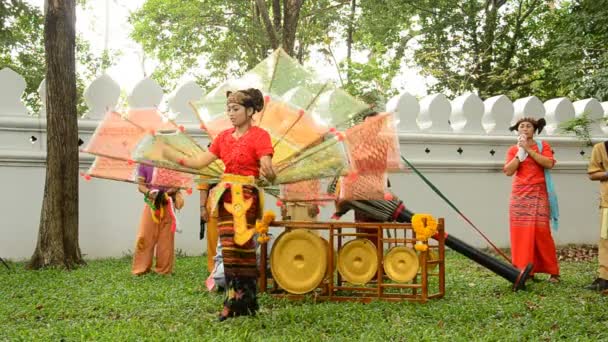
{"points": [[242, 156], [529, 171]]}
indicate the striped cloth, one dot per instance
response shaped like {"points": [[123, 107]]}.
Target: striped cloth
{"points": [[531, 239], [240, 266]]}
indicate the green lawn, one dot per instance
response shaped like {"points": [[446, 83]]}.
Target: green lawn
{"points": [[104, 302]]}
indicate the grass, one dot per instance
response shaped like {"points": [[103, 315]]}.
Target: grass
{"points": [[102, 301]]}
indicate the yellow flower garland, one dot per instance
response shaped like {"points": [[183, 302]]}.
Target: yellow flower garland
{"points": [[261, 226], [425, 226]]}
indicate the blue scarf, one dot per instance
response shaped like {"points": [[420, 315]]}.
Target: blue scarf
{"points": [[551, 192]]}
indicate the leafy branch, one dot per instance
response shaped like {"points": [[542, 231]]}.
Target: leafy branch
{"points": [[580, 126]]}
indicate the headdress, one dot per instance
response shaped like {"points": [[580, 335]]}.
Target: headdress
{"points": [[538, 124]]}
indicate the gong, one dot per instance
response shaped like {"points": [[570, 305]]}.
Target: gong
{"points": [[298, 261], [358, 261], [401, 264]]}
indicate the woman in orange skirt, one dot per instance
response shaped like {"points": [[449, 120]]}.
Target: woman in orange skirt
{"points": [[529, 210]]}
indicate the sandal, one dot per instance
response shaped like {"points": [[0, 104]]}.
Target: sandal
{"points": [[554, 279]]}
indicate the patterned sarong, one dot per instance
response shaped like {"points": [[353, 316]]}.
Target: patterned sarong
{"points": [[240, 265], [531, 239]]}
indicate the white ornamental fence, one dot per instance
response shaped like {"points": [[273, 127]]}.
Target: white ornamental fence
{"points": [[459, 144]]}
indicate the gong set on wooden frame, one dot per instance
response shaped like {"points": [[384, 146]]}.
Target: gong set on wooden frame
{"points": [[346, 261]]}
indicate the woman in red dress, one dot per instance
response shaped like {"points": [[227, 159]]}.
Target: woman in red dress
{"points": [[246, 151], [529, 210]]}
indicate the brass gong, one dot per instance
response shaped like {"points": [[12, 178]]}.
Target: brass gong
{"points": [[358, 261], [298, 261], [401, 264]]}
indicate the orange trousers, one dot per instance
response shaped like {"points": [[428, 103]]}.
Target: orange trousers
{"points": [[151, 237]]}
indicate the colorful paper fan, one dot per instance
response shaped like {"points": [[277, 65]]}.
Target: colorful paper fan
{"points": [[373, 145], [149, 151], [113, 169], [303, 116], [307, 191], [117, 137], [370, 187]]}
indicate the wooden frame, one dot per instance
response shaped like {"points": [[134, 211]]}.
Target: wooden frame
{"points": [[335, 289]]}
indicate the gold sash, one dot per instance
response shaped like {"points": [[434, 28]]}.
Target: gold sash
{"points": [[239, 206]]}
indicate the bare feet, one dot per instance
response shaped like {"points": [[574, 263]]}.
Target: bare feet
{"points": [[554, 279]]}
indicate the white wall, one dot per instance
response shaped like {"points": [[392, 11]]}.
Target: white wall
{"points": [[473, 180]]}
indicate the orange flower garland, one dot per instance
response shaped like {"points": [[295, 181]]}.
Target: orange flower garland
{"points": [[425, 226], [261, 226]]}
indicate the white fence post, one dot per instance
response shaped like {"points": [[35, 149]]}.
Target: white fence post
{"points": [[101, 96], [407, 108], [467, 111], [434, 114], [12, 86]]}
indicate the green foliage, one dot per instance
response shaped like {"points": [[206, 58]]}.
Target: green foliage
{"points": [[580, 126], [577, 61], [214, 40], [384, 38], [511, 47], [491, 47], [104, 302], [22, 50]]}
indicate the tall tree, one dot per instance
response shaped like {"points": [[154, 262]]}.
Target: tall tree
{"points": [[58, 232], [383, 40], [514, 47], [215, 39], [284, 25], [491, 46], [577, 58]]}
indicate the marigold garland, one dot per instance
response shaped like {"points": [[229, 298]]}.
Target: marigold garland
{"points": [[261, 226], [425, 226]]}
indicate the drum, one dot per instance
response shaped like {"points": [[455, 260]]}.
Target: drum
{"points": [[401, 264], [298, 261], [379, 210], [358, 261]]}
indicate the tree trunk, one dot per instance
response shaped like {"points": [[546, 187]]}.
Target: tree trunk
{"points": [[483, 82], [58, 232], [349, 39], [291, 15], [270, 29], [276, 13]]}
